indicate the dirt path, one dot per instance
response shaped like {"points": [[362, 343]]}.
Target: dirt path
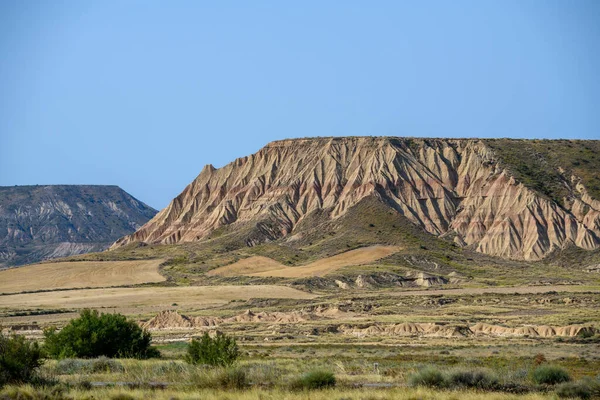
{"points": [[79, 274], [267, 267]]}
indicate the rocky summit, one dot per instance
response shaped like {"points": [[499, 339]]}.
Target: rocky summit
{"points": [[514, 199], [43, 222]]}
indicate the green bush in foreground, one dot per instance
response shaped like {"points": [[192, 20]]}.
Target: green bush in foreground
{"points": [[428, 377], [314, 380], [94, 335], [550, 375], [472, 379], [586, 388], [19, 360], [221, 351]]}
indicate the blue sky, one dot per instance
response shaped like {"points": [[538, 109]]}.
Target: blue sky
{"points": [[143, 94]]}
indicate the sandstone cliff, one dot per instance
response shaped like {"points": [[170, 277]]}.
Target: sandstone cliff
{"points": [[454, 188]]}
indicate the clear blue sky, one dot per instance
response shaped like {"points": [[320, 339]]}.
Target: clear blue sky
{"points": [[143, 94]]}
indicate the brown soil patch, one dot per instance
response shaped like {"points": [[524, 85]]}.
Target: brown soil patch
{"points": [[79, 274], [266, 267]]}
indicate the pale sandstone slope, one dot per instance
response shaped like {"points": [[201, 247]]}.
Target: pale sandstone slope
{"points": [[448, 187]]}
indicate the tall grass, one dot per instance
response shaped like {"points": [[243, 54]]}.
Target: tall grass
{"points": [[29, 392]]}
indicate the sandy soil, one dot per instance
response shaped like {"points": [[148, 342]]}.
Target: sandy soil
{"points": [[264, 266], [80, 274]]}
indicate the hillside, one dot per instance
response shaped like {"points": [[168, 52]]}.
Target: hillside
{"points": [[43, 222], [480, 194]]}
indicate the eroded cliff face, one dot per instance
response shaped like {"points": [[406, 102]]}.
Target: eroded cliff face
{"points": [[448, 187]]}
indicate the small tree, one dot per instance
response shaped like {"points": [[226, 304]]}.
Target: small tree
{"points": [[19, 359], [218, 351], [94, 335]]}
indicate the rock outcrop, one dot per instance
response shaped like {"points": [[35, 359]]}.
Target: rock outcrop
{"points": [[438, 330], [43, 222], [172, 320], [455, 188], [533, 331]]}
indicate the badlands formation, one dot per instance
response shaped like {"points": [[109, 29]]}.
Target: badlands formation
{"points": [[459, 189], [172, 320]]}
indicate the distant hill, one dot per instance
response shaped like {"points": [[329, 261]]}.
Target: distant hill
{"points": [[43, 222], [516, 199]]}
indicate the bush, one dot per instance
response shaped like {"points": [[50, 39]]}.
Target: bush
{"points": [[314, 380], [472, 379], [93, 335], [574, 390], [550, 375], [429, 377], [220, 351], [19, 360]]}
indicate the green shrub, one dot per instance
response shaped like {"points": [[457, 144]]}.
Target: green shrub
{"points": [[221, 350], [472, 379], [318, 379], [574, 390], [550, 375], [428, 377], [93, 335], [19, 360]]}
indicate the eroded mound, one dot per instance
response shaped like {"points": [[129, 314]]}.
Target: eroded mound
{"points": [[534, 331], [438, 330], [169, 319], [173, 320], [407, 329]]}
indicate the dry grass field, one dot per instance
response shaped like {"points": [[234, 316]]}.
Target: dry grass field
{"points": [[148, 297], [79, 274], [261, 394], [265, 267]]}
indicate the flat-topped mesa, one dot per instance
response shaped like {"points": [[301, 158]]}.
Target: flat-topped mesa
{"points": [[452, 187]]}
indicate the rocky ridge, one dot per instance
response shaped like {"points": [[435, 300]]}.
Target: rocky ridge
{"points": [[44, 222], [458, 189]]}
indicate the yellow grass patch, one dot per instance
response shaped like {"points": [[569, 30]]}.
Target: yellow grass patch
{"points": [[79, 274], [264, 266], [148, 297]]}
